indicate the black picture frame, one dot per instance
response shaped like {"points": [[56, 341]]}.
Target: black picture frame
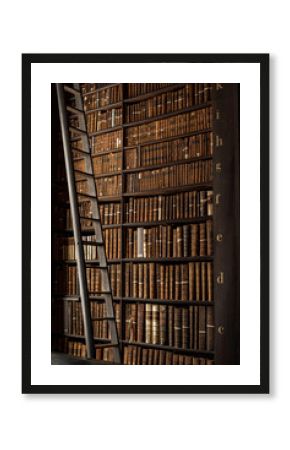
{"points": [[27, 61]]}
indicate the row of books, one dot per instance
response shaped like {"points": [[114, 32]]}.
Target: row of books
{"points": [[138, 355], [67, 318], [199, 145], [111, 162], [64, 248], [106, 141], [172, 176], [113, 242], [135, 89], [191, 281], [190, 327], [169, 241], [96, 98], [77, 348], [101, 120], [110, 213], [184, 205], [109, 186], [65, 280], [172, 126], [94, 279], [167, 102], [85, 210]]}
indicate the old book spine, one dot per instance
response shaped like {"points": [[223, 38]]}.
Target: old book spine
{"points": [[202, 240], [185, 327], [135, 280], [203, 281], [162, 308], [141, 306], [209, 282], [179, 237], [194, 239], [209, 237], [202, 328], [210, 329]]}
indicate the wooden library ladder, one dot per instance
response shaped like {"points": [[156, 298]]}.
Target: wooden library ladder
{"points": [[79, 132]]}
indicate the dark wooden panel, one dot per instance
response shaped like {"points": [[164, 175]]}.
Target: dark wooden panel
{"points": [[226, 223]]}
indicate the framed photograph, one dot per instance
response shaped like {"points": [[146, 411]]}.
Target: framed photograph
{"points": [[145, 223]]}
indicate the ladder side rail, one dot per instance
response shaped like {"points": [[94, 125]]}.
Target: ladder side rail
{"points": [[85, 303]]}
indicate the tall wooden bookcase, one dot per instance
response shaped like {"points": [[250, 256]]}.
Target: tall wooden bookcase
{"points": [[172, 154]]}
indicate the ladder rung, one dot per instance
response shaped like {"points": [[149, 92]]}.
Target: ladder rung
{"points": [[93, 243], [86, 174], [106, 345], [80, 151], [99, 319], [77, 130], [74, 110], [100, 293], [93, 219], [71, 90], [83, 194], [96, 261]]}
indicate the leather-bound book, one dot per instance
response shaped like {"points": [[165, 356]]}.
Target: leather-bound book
{"points": [[150, 356], [203, 281], [177, 326], [135, 280], [168, 358], [202, 328], [209, 282], [185, 240], [210, 328], [144, 356], [202, 239], [179, 236], [209, 237], [184, 282], [148, 323], [194, 239], [155, 324], [185, 327]]}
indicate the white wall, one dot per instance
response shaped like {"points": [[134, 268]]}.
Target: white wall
{"points": [[155, 421]]}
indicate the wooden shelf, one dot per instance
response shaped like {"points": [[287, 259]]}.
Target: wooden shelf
{"points": [[100, 89], [107, 130], [167, 222], [167, 302], [81, 337], [76, 298], [200, 353], [106, 152], [108, 174], [166, 115], [168, 164], [165, 260], [170, 190], [104, 108], [169, 259], [151, 94], [105, 199]]}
